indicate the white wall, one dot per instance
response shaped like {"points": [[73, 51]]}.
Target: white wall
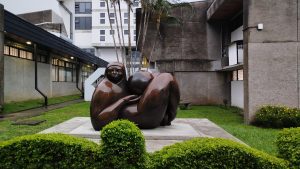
{"points": [[82, 38], [108, 54], [19, 79], [232, 51], [237, 93], [237, 34], [26, 6]]}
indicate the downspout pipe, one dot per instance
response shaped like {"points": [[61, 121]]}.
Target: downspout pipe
{"points": [[78, 65], [1, 57], [71, 18], [36, 76]]}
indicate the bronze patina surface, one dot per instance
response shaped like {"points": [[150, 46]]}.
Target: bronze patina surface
{"points": [[147, 99]]}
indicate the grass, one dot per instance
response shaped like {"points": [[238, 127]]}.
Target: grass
{"points": [[228, 118], [19, 106], [8, 131]]}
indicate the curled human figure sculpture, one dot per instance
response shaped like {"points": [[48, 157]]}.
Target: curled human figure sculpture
{"points": [[149, 100]]}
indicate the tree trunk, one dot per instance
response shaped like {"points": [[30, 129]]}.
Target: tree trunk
{"points": [[118, 29], [129, 38], [108, 12]]}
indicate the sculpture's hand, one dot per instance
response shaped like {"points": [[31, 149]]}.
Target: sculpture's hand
{"points": [[131, 98]]}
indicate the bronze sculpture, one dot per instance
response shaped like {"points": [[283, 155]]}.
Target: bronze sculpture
{"points": [[147, 99]]}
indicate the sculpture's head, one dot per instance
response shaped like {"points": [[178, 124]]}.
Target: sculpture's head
{"points": [[115, 72], [139, 81]]}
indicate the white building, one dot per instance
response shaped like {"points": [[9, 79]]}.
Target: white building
{"points": [[86, 23], [92, 27]]}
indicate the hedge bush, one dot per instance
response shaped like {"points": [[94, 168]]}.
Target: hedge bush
{"points": [[123, 145], [277, 117], [288, 143], [213, 153], [49, 151]]}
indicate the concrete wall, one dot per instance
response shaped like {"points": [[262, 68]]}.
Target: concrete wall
{"points": [[203, 87], [271, 55], [237, 93], [19, 79], [64, 88]]}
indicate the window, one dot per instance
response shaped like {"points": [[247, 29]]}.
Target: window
{"points": [[102, 21], [83, 23], [102, 4], [134, 38], [112, 32], [102, 15], [63, 71], [125, 32], [125, 15], [102, 35], [13, 51], [102, 38], [6, 50], [102, 32], [112, 21], [111, 15], [89, 50], [26, 55], [125, 21], [83, 7], [237, 75]]}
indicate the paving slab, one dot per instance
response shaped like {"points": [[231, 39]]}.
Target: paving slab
{"points": [[180, 130]]}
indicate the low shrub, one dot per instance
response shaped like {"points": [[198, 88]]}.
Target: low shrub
{"points": [[123, 145], [49, 151], [288, 143], [277, 117], [213, 153]]}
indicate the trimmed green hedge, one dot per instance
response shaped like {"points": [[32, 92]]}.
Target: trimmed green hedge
{"points": [[123, 145], [288, 143], [277, 117], [213, 153], [49, 151]]}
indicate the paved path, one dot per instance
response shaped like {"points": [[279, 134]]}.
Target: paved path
{"points": [[37, 111]]}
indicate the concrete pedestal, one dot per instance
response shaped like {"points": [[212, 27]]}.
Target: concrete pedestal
{"points": [[180, 130]]}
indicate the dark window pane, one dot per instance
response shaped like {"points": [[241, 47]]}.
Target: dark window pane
{"points": [[102, 32]]}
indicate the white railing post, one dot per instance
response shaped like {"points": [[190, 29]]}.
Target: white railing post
{"points": [[88, 83]]}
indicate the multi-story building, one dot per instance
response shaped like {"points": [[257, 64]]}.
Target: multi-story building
{"points": [[243, 53], [91, 26]]}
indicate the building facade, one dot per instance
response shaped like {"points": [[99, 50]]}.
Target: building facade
{"points": [[92, 31], [37, 64], [238, 52]]}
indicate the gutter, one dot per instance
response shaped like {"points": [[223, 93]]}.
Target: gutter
{"points": [[36, 76], [78, 65]]}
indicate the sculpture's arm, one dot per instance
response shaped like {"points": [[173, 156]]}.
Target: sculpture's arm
{"points": [[111, 112]]}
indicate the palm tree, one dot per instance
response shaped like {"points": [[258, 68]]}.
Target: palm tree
{"points": [[108, 12], [160, 11]]}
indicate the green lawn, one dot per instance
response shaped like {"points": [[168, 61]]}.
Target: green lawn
{"points": [[18, 106], [53, 117], [227, 118], [230, 120]]}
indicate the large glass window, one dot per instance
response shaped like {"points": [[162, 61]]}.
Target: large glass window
{"points": [[83, 7], [63, 71], [83, 23]]}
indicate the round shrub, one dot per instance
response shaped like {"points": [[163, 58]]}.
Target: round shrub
{"points": [[288, 143], [213, 153], [123, 145], [277, 117], [49, 151]]}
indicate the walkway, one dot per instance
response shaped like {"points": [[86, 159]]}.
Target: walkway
{"points": [[37, 111]]}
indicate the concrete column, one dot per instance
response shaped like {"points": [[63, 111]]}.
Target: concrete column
{"points": [[1, 56]]}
